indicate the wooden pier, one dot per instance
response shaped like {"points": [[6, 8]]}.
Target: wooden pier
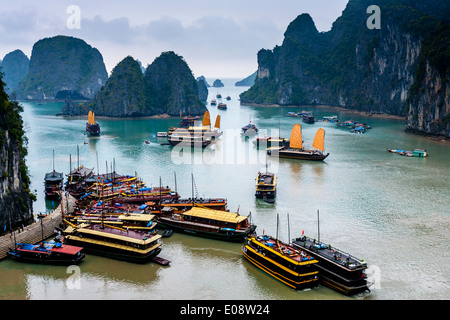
{"points": [[33, 232]]}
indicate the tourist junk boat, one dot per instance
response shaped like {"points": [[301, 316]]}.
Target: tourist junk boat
{"points": [[222, 106], [53, 182], [208, 223], [54, 252], [114, 242], [181, 205], [308, 117], [271, 142], [285, 263], [337, 270], [421, 153], [130, 221], [266, 186], [296, 150], [92, 128]]}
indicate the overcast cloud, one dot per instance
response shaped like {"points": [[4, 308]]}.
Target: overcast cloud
{"points": [[216, 38]]}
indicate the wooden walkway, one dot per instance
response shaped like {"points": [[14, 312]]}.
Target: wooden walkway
{"points": [[33, 232]]}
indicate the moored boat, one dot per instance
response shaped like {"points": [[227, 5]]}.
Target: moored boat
{"points": [[308, 118], [296, 150], [337, 270], [249, 129], [53, 182], [53, 252], [421, 153], [114, 242], [282, 261], [208, 223]]}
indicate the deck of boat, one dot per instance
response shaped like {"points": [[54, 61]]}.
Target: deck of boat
{"points": [[334, 255]]}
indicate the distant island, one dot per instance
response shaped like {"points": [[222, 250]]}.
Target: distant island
{"points": [[403, 68], [62, 64], [248, 81], [166, 88], [217, 83]]}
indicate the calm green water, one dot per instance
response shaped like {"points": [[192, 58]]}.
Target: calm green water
{"points": [[389, 210]]}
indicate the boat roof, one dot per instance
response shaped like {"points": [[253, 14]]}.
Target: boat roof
{"points": [[212, 214], [137, 217], [67, 249], [114, 233], [54, 176]]}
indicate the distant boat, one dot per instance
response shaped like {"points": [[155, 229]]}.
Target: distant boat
{"points": [[249, 129], [228, 98], [421, 153], [331, 119], [308, 118], [222, 106], [296, 150], [92, 128], [218, 96], [213, 102], [162, 134]]}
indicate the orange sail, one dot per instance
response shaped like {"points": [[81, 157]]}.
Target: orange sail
{"points": [[319, 140], [206, 119], [296, 137], [90, 117], [217, 124]]}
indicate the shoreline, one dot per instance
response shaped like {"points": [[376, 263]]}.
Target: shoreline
{"points": [[335, 108]]}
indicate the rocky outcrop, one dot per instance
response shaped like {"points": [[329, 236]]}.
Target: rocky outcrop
{"points": [[167, 87], [62, 64], [202, 89], [395, 69], [172, 86], [15, 66], [217, 83], [15, 196]]}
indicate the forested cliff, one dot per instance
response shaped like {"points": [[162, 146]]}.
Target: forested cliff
{"points": [[401, 68]]}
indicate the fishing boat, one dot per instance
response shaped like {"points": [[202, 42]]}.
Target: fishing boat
{"points": [[249, 129], [208, 223], [338, 270], [331, 119], [222, 106], [53, 252], [92, 128], [296, 150], [114, 242], [421, 153], [54, 182], [282, 261]]}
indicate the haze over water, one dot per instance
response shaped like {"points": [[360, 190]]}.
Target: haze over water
{"points": [[389, 210]]}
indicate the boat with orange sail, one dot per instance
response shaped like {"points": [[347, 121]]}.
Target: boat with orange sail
{"points": [[296, 150], [92, 128]]}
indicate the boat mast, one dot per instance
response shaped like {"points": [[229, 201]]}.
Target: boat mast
{"points": [[318, 227], [277, 228], [175, 176], [289, 230], [192, 187]]}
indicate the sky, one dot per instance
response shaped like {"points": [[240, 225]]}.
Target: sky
{"points": [[217, 38]]}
